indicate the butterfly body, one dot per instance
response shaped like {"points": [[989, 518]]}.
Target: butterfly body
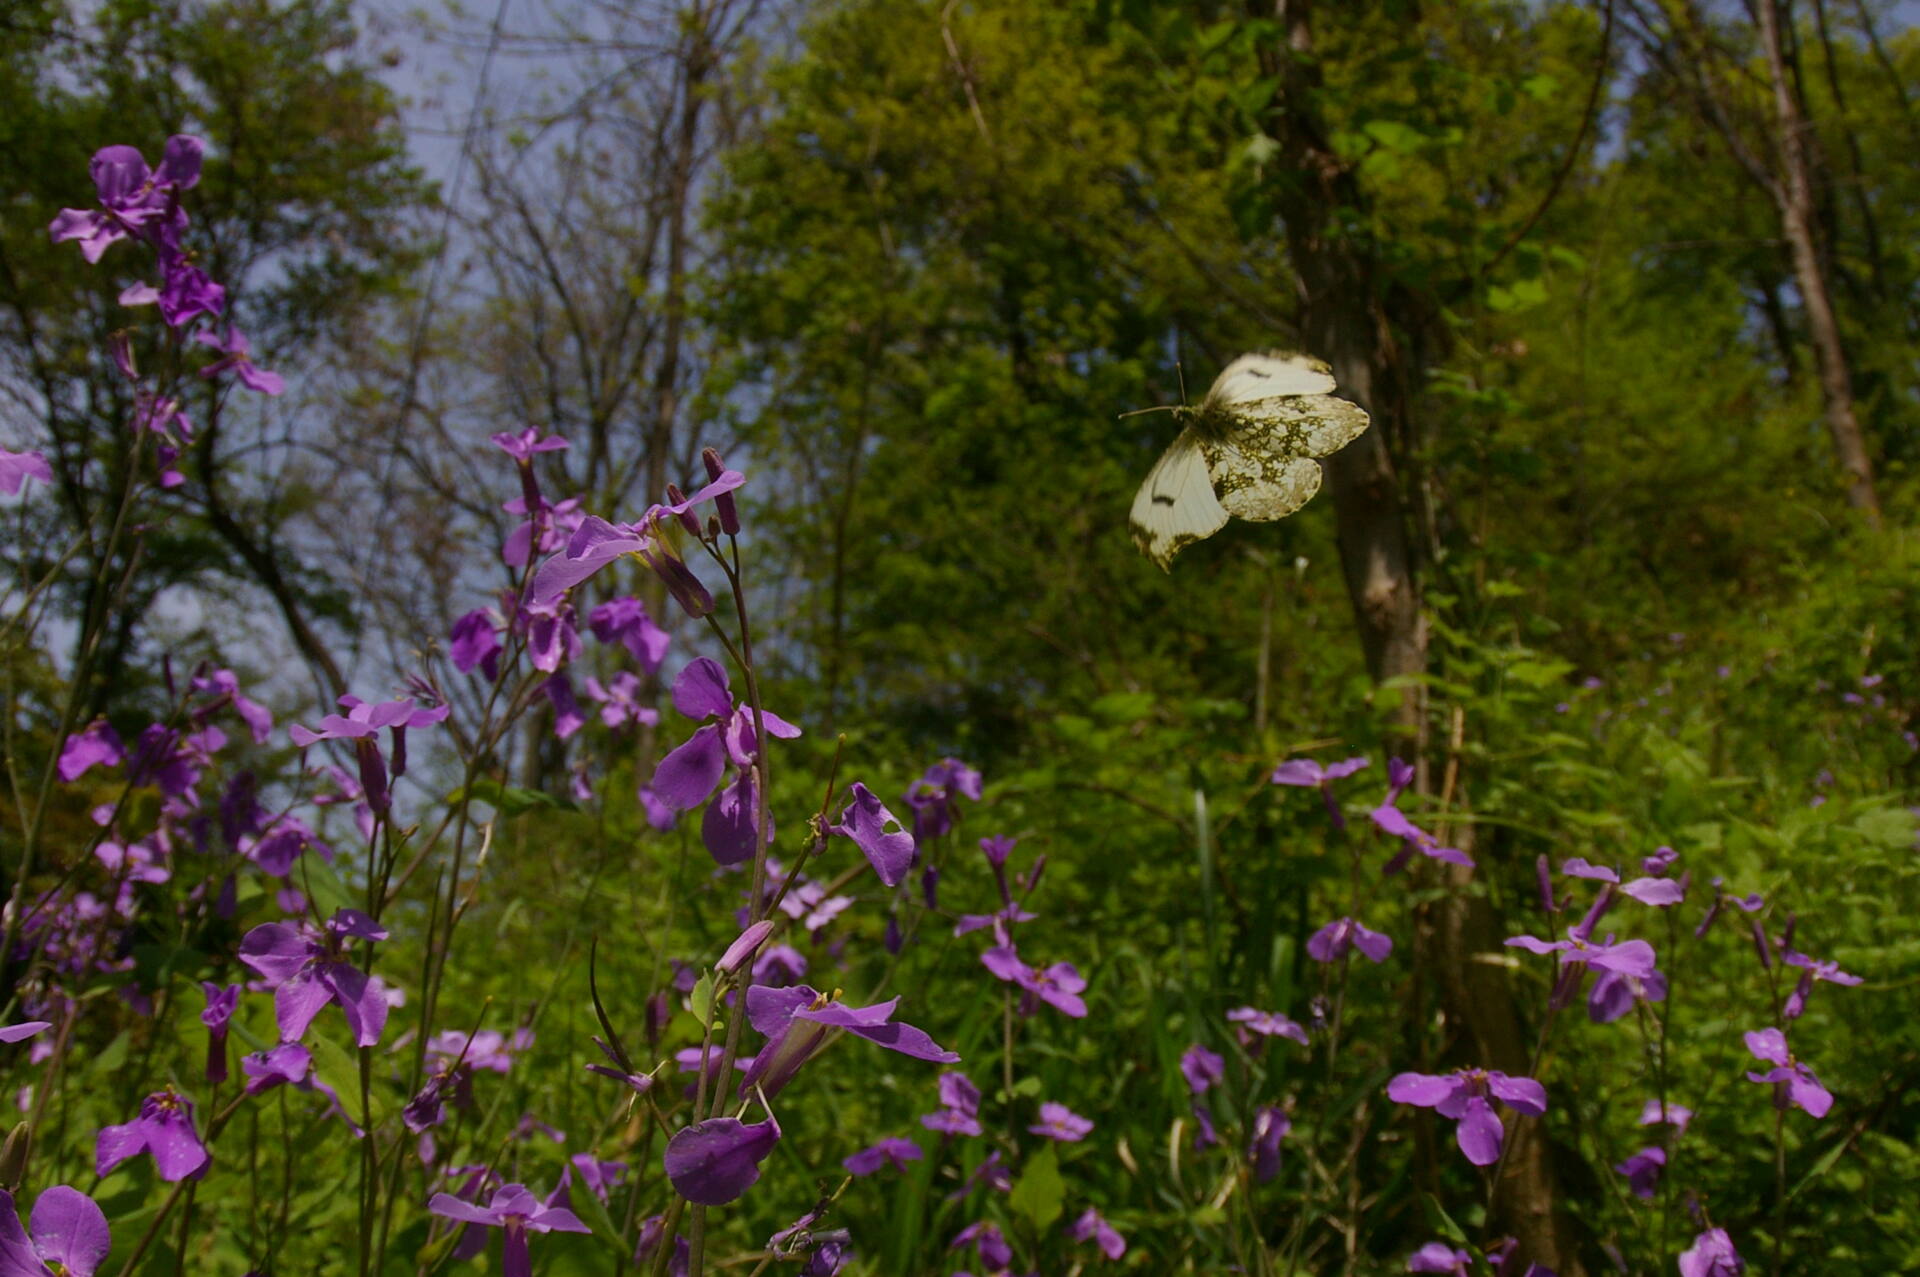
{"points": [[1246, 450]]}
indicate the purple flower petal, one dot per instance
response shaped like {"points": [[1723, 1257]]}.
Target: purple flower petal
{"points": [[866, 821], [1423, 1089], [68, 1230], [701, 692], [727, 830], [1522, 1093], [1479, 1133], [1768, 1044], [712, 1163], [1375, 945], [685, 777]]}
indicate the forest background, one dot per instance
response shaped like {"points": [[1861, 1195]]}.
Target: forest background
{"points": [[1626, 562]]}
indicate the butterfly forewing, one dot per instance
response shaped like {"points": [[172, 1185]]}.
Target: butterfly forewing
{"points": [[1176, 506], [1302, 426], [1251, 379]]}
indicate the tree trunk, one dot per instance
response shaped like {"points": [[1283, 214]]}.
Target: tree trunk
{"points": [[1793, 195], [1344, 323]]}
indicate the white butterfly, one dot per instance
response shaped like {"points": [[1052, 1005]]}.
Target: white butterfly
{"points": [[1247, 451]]}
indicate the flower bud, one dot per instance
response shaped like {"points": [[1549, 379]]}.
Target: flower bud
{"points": [[745, 946], [688, 519], [14, 1156], [723, 504]]}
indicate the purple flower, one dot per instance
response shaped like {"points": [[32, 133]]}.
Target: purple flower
{"points": [[1202, 1068], [291, 1064], [797, 1022], [625, 620], [1331, 942], [364, 720], [688, 775], [22, 1031], [96, 743], [1653, 1113], [892, 1149], [517, 1212], [991, 1172], [601, 1178], [69, 1236], [886, 844], [1059, 986], [1270, 1126], [1800, 1086], [988, 1241], [1058, 1122], [527, 444], [1389, 819], [1092, 1227], [934, 797], [649, 1246], [1629, 957], [1811, 969], [1749, 904], [185, 294], [307, 973], [224, 688], [1309, 774], [1712, 1255], [1438, 1257], [1462, 1096], [620, 700], [1614, 994], [621, 1070], [165, 1129], [1643, 1171], [598, 543], [18, 467], [221, 1003], [132, 199], [568, 717], [1269, 1024], [234, 350], [1204, 1134], [960, 1107], [713, 1162], [475, 642]]}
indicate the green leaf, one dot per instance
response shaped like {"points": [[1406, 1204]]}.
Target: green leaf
{"points": [[338, 1068], [1039, 1192], [701, 998], [1394, 136], [1886, 826]]}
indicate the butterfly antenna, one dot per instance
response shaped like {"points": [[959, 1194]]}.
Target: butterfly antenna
{"points": [[1165, 407], [1180, 371]]}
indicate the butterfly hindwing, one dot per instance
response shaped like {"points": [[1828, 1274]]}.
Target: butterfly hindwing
{"points": [[1253, 483], [1176, 506]]}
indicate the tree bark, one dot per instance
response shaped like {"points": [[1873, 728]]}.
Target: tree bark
{"points": [[1793, 196]]}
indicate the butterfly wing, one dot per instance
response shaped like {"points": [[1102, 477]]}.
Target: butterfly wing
{"points": [[1254, 483], [1254, 379], [1176, 506], [1262, 467]]}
